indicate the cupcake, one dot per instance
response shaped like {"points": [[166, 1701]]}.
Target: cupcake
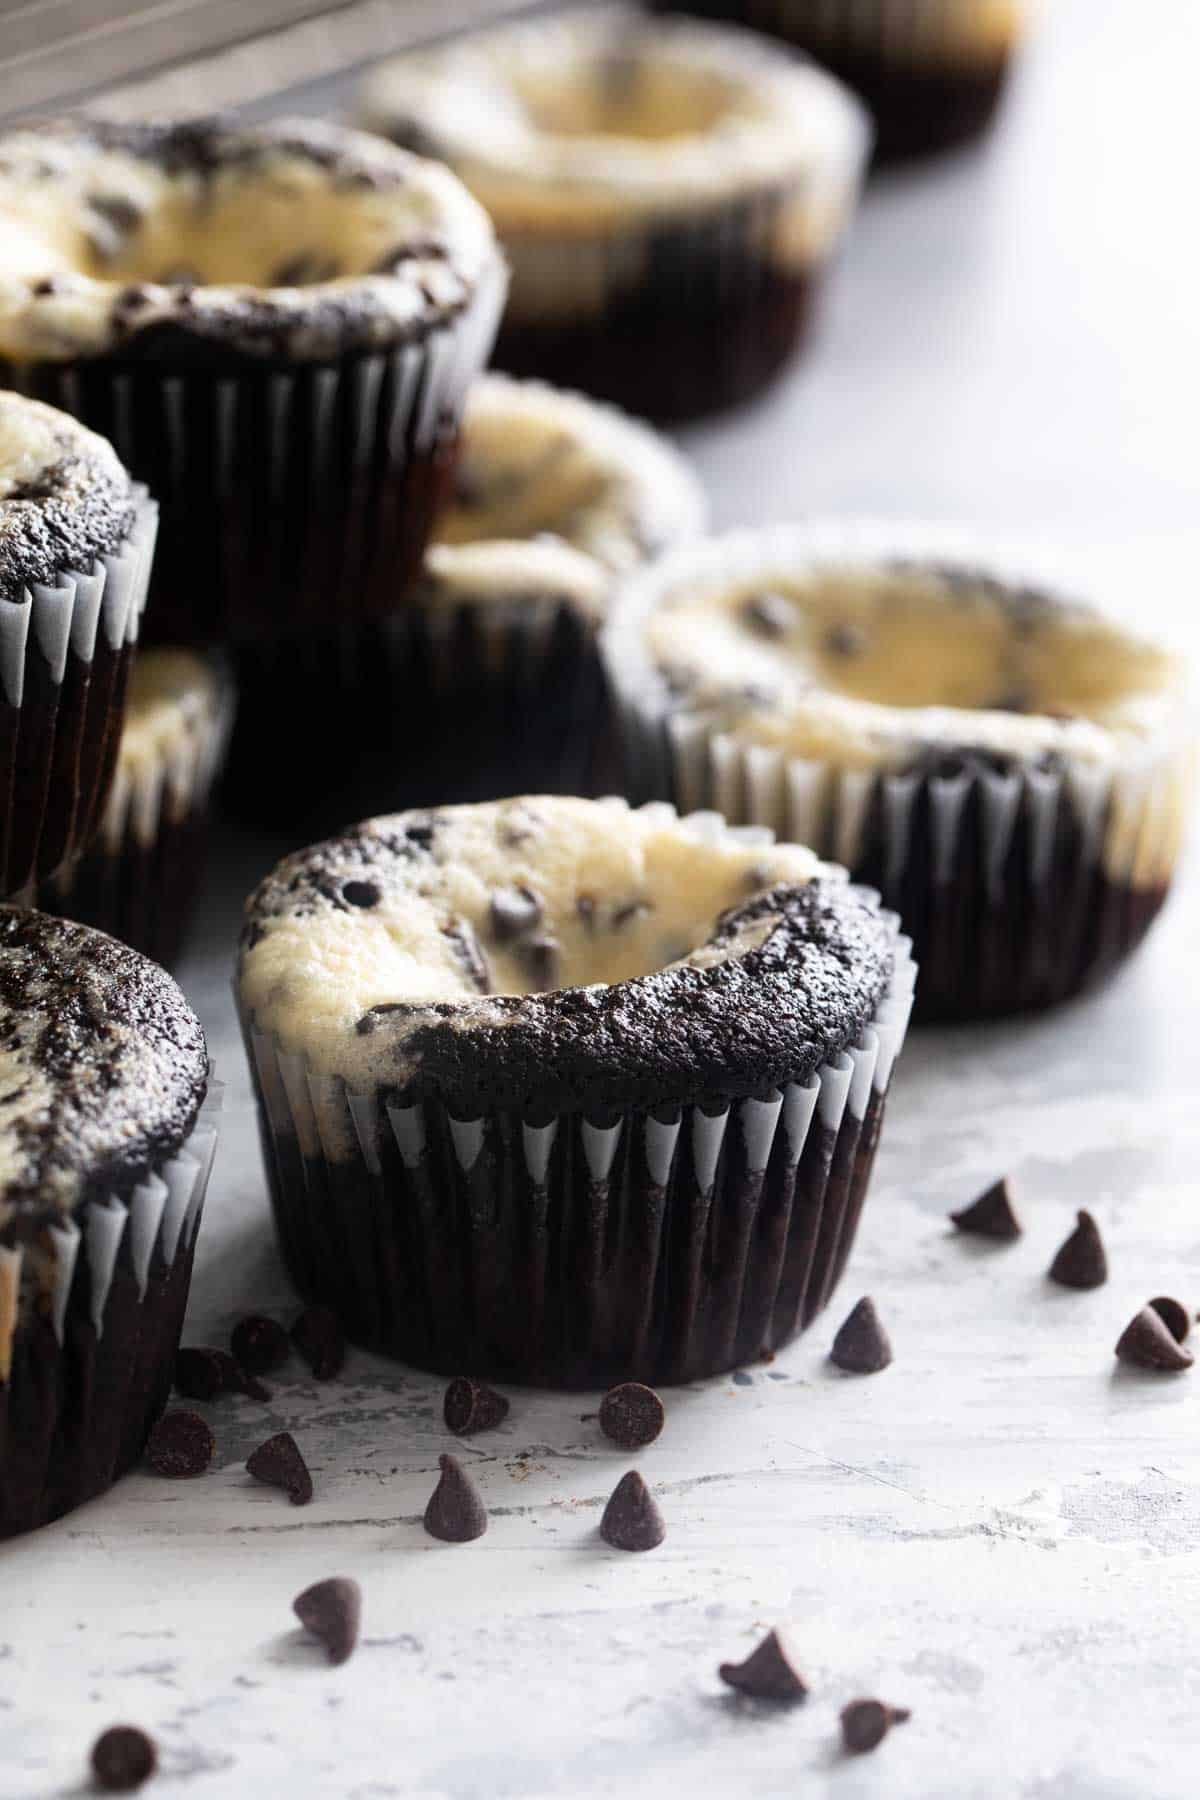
{"points": [[562, 1092], [76, 544], [276, 325], [487, 680], [107, 1134], [140, 878], [1008, 766], [669, 195], [932, 72]]}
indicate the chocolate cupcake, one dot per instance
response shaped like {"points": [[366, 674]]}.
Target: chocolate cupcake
{"points": [[76, 544], [1009, 767], [555, 498], [275, 324], [932, 72], [669, 195], [140, 878], [107, 1134], [595, 1094]]}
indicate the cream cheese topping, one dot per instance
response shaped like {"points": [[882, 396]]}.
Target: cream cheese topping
{"points": [[173, 695]]}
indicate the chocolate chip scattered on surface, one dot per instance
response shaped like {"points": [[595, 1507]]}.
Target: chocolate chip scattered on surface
{"points": [[865, 1724], [1174, 1315], [200, 1373], [1147, 1343], [632, 1520], [123, 1758], [317, 1336], [862, 1346], [993, 1215], [632, 1415], [471, 1406], [455, 1513], [259, 1344], [278, 1463], [332, 1611], [181, 1445], [1081, 1261], [768, 1673]]}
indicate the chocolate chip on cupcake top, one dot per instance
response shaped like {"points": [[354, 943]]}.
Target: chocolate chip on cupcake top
{"points": [[103, 1068], [605, 115], [294, 238], [65, 497], [864, 656], [561, 952]]}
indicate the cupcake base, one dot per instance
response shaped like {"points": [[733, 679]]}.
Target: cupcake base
{"points": [[920, 111]]}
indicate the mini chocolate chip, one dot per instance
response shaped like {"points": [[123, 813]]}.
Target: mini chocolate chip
{"points": [[1147, 1343], [865, 1724], [279, 1464], [768, 1673], [861, 1346], [49, 284], [1174, 1316], [992, 1215], [845, 640], [123, 214], [472, 1406], [632, 909], [540, 957], [317, 1335], [585, 906], [470, 954], [632, 1415], [455, 1513], [332, 1611], [304, 270], [1081, 1262], [371, 1019], [771, 615], [513, 912], [259, 1344], [361, 893], [181, 1445], [631, 1518], [123, 1757], [200, 1374]]}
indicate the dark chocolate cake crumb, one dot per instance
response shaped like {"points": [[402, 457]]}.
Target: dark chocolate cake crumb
{"points": [[455, 1513], [1147, 1343], [332, 1611], [632, 1415], [123, 1757], [513, 912], [992, 1215], [472, 1406], [861, 1346], [631, 1518], [768, 1673], [470, 953], [181, 1445], [865, 1724], [1174, 1315], [771, 615], [1081, 1262], [259, 1344], [846, 640], [279, 1463], [317, 1335]]}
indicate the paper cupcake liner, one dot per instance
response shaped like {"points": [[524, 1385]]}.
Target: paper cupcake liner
{"points": [[929, 74], [290, 496], [1019, 887], [65, 654], [90, 1317], [141, 877], [660, 1243]]}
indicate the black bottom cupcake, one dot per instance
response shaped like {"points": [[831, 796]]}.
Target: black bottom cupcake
{"points": [[560, 1183], [917, 111], [108, 1150]]}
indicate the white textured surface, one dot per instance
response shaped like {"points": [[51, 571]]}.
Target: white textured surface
{"points": [[1001, 1531]]}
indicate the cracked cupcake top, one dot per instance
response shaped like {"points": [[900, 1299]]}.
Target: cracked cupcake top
{"points": [[866, 648], [65, 496], [293, 239], [607, 113], [103, 1068], [561, 952]]}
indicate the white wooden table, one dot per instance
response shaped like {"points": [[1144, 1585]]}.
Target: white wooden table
{"points": [[1000, 1532]]}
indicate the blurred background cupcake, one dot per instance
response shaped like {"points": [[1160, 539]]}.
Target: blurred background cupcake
{"points": [[932, 72], [276, 324], [669, 195]]}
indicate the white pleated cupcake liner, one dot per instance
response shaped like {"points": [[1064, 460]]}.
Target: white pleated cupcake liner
{"points": [[65, 651], [90, 1316], [290, 496], [667, 1243]]}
